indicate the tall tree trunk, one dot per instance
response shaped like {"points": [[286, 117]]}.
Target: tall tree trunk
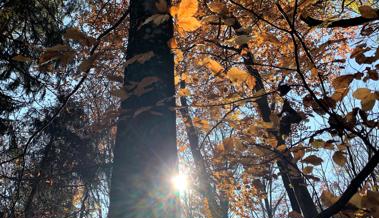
{"points": [[145, 157]]}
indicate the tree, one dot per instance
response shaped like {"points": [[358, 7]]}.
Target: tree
{"points": [[276, 106], [145, 152]]}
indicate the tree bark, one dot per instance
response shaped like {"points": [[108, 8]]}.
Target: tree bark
{"points": [[145, 157], [204, 178]]}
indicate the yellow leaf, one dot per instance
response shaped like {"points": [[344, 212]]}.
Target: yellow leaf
{"points": [[368, 12], [361, 93], [188, 24], [184, 92], [237, 75], [212, 65], [187, 8], [172, 44], [184, 15], [176, 80]]}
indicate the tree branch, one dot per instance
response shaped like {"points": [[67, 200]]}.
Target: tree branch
{"points": [[351, 189], [344, 23]]}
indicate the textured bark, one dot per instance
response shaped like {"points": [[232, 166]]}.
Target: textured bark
{"points": [[145, 157]]}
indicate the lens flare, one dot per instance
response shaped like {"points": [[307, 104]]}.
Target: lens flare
{"points": [[180, 182]]}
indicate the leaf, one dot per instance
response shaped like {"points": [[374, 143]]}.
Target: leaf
{"points": [[239, 40], [361, 93], [189, 24], [21, 58], [229, 144], [369, 102], [312, 159], [86, 64], [157, 19], [367, 11], [339, 158], [212, 65], [140, 58], [217, 7], [143, 86], [327, 198], [184, 15], [308, 170], [318, 143], [141, 110], [371, 202], [298, 154], [238, 76], [184, 92], [282, 147], [115, 78], [187, 8], [121, 93], [82, 38], [200, 123], [343, 81], [339, 94]]}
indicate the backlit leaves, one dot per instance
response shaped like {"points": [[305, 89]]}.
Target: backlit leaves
{"points": [[184, 14], [215, 67], [239, 76]]}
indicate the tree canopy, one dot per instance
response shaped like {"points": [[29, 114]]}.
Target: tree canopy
{"points": [[276, 106]]}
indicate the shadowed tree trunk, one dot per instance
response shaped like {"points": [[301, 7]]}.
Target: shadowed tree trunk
{"points": [[145, 157]]}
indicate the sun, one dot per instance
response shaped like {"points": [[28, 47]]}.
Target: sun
{"points": [[180, 182]]}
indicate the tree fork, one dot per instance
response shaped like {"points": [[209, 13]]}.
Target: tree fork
{"points": [[145, 154]]}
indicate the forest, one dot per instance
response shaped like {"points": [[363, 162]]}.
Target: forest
{"points": [[189, 108]]}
